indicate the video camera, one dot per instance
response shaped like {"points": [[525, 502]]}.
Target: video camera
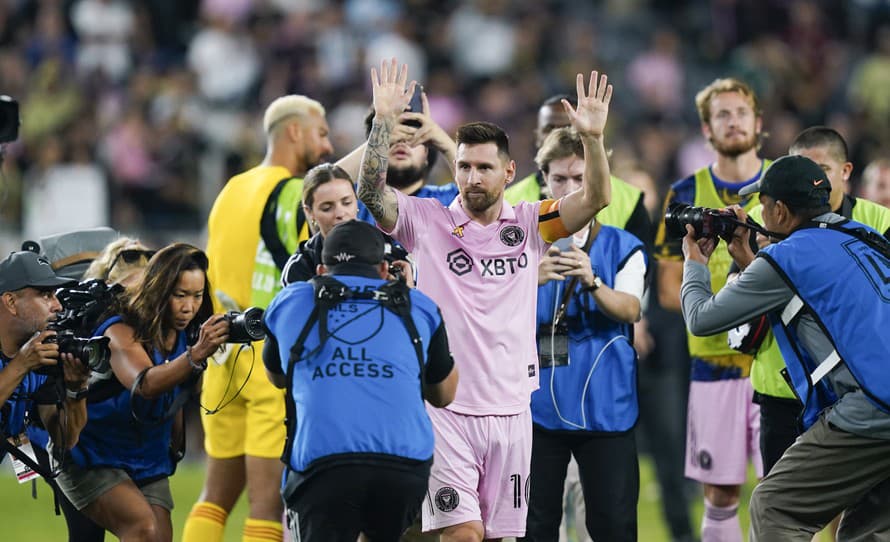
{"points": [[9, 119], [82, 306], [247, 326]]}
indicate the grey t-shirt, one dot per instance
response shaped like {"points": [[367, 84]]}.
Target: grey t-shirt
{"points": [[760, 289]]}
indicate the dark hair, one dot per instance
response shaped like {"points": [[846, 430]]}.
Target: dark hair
{"points": [[319, 175], [147, 309], [477, 133], [821, 136], [557, 99], [432, 153]]}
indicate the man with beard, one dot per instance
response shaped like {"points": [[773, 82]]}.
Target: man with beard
{"points": [[415, 145], [478, 259], [244, 440], [723, 423]]}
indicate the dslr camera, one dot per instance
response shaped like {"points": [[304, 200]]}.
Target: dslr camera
{"points": [[82, 305], [708, 223], [245, 327]]}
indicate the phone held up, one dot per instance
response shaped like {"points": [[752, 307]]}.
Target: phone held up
{"points": [[415, 105]]}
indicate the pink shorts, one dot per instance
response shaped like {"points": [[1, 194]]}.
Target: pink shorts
{"points": [[480, 472], [723, 432]]}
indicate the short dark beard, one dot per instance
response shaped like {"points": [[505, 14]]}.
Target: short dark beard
{"points": [[403, 177], [480, 207]]}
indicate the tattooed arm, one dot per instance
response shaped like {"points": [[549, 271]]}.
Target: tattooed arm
{"points": [[390, 99]]}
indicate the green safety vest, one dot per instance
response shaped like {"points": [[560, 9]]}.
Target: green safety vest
{"points": [[291, 228], [706, 196], [624, 199], [766, 373]]}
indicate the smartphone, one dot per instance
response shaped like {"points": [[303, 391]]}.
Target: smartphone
{"points": [[416, 103], [564, 244]]}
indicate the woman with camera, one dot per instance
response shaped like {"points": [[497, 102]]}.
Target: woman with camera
{"points": [[161, 333], [329, 199]]}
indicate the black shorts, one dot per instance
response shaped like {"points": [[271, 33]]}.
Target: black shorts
{"points": [[379, 499]]}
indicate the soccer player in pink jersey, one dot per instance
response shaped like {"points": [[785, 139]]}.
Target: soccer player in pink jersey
{"points": [[478, 259]]}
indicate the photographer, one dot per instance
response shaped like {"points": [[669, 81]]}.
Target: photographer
{"points": [[329, 199], [27, 303], [588, 298], [824, 287], [362, 464], [118, 473]]}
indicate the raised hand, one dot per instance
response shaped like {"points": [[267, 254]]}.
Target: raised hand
{"points": [[589, 119], [419, 128], [391, 96]]}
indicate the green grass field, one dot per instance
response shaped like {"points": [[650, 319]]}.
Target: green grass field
{"points": [[27, 519]]}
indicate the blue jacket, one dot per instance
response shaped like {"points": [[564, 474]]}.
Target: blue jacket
{"points": [[845, 285], [12, 412], [360, 392], [113, 438], [597, 390]]}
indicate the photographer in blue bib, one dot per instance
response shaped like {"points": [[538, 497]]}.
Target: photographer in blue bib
{"points": [[38, 379], [161, 332], [588, 299], [823, 285], [357, 355]]}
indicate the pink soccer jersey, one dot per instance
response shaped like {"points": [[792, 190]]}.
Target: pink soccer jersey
{"points": [[485, 280]]}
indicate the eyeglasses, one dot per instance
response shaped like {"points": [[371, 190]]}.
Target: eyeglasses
{"points": [[131, 256]]}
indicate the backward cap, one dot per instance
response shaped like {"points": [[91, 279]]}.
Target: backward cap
{"points": [[353, 242], [794, 179]]}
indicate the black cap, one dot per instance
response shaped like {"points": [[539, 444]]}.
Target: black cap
{"points": [[23, 269], [352, 246], [794, 179]]}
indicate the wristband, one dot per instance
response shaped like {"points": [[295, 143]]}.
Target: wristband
{"points": [[77, 395], [196, 366]]}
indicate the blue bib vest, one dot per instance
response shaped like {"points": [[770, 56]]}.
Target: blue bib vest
{"points": [[13, 411], [113, 438], [845, 284], [359, 392], [597, 390]]}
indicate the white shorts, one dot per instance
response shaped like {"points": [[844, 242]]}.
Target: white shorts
{"points": [[480, 472]]}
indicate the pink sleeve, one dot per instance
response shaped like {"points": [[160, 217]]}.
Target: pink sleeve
{"points": [[411, 219]]}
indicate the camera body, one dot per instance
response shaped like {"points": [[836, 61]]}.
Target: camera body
{"points": [[708, 223], [82, 305], [9, 119], [247, 326]]}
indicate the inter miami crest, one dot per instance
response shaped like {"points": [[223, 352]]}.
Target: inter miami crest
{"points": [[447, 499], [512, 235]]}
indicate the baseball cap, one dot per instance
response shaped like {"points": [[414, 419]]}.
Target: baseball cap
{"points": [[23, 269], [794, 179], [351, 247], [70, 253]]}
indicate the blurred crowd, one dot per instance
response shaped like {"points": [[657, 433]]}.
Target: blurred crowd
{"points": [[135, 112]]}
